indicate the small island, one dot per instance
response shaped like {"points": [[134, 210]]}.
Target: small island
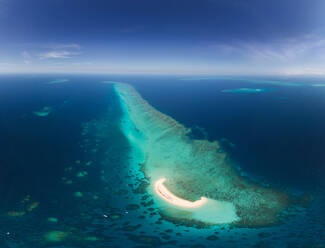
{"points": [[178, 168]]}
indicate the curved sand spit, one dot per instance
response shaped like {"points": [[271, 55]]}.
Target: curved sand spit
{"points": [[165, 194]]}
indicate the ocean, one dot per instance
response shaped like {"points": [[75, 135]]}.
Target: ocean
{"points": [[65, 175]]}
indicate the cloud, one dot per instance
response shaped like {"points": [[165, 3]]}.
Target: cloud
{"points": [[67, 46], [299, 55], [58, 54], [4, 64], [26, 55], [290, 50], [308, 50], [82, 63], [62, 51], [304, 71]]}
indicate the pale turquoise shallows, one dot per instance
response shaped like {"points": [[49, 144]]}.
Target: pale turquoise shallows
{"points": [[43, 112], [59, 81], [245, 90]]}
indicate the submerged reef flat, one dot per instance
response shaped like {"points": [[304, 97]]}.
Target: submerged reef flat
{"points": [[58, 81], [246, 80], [192, 170], [246, 90], [43, 112], [111, 82]]}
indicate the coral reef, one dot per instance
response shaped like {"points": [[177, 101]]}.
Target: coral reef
{"points": [[193, 168]]}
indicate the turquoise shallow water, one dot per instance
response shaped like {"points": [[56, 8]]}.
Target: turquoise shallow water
{"points": [[247, 90], [107, 207]]}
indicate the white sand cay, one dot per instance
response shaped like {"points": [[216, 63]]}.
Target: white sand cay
{"points": [[165, 194]]}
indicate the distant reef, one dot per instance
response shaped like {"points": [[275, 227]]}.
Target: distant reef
{"points": [[43, 112], [246, 90], [59, 81]]}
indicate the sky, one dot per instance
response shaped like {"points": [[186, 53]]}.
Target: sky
{"points": [[219, 37]]}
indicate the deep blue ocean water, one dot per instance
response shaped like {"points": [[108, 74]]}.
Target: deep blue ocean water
{"points": [[276, 136]]}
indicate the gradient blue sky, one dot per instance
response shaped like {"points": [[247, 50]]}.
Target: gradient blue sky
{"points": [[284, 37]]}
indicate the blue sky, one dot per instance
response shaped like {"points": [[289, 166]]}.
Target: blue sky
{"points": [[284, 37]]}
